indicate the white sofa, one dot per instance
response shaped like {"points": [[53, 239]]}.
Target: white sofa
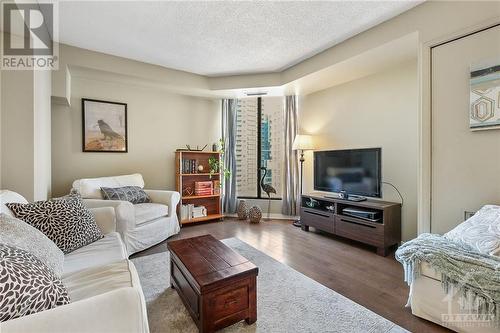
{"points": [[103, 285], [429, 301], [141, 225]]}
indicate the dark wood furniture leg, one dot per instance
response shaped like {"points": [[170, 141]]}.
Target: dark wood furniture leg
{"points": [[382, 251], [252, 302]]}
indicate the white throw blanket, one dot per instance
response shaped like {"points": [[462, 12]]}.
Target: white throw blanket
{"points": [[476, 276]]}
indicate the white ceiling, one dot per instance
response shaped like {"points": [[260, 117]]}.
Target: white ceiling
{"points": [[219, 38]]}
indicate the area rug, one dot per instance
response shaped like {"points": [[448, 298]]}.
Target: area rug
{"points": [[287, 301]]}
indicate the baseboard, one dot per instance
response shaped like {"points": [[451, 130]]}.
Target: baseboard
{"points": [[274, 216]]}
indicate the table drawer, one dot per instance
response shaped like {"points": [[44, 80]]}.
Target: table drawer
{"points": [[357, 229], [230, 301], [320, 220]]}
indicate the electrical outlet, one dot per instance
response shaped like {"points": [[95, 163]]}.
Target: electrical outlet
{"points": [[468, 215]]}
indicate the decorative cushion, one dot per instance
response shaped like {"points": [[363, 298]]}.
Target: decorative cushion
{"points": [[481, 231], [133, 194], [149, 211], [90, 188], [27, 285], [67, 222], [9, 196], [15, 232]]}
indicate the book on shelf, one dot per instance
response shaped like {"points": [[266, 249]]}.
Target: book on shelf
{"points": [[203, 188], [189, 166], [190, 211]]}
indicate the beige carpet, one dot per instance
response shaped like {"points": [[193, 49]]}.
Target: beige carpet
{"points": [[287, 301]]}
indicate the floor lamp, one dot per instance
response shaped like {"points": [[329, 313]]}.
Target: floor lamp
{"points": [[302, 143]]}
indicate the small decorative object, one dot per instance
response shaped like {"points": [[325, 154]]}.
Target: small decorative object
{"points": [[268, 189], [255, 214], [214, 147], [217, 186], [187, 191], [189, 148], [242, 210], [104, 126], [484, 112], [200, 168]]}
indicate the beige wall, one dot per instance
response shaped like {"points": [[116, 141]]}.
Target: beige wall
{"points": [[465, 164], [42, 135], [17, 132], [158, 123], [376, 111]]}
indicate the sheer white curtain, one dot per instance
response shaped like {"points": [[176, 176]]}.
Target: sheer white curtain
{"points": [[229, 137], [291, 195]]}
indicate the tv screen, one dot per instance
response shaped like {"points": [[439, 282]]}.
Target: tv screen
{"points": [[357, 171]]}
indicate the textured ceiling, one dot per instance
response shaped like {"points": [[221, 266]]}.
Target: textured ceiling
{"points": [[219, 38]]}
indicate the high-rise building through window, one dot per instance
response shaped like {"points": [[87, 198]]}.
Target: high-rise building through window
{"points": [[259, 143]]}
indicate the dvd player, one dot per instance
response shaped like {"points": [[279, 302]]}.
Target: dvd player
{"points": [[373, 215]]}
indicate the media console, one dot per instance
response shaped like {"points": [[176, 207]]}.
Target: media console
{"points": [[373, 222]]}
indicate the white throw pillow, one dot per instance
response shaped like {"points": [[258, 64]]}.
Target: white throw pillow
{"points": [[17, 233], [481, 231]]}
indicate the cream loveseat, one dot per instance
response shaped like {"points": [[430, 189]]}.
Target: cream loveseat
{"points": [[428, 299], [103, 286], [141, 225]]}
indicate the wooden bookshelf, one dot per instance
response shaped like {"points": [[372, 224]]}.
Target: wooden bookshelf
{"points": [[185, 179]]}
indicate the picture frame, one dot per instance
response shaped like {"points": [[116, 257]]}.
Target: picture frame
{"points": [[484, 108], [104, 126]]}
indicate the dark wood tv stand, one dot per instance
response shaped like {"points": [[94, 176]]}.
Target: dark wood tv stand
{"points": [[326, 214]]}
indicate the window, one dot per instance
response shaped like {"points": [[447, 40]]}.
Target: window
{"points": [[259, 143]]}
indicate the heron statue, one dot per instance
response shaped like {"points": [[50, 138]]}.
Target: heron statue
{"points": [[268, 189]]}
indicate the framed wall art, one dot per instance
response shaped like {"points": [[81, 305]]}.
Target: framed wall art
{"points": [[104, 126], [485, 96]]}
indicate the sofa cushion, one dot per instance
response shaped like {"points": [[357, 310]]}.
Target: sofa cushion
{"points": [[481, 231], [67, 222], [27, 284], [101, 279], [90, 188], [102, 252], [9, 196], [15, 232], [132, 194], [146, 212]]}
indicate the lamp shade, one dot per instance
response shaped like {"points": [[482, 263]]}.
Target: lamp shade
{"points": [[303, 142]]}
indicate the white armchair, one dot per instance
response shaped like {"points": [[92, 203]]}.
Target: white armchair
{"points": [[140, 225]]}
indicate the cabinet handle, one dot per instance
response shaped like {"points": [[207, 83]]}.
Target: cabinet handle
{"points": [[358, 223], [316, 213], [229, 302]]}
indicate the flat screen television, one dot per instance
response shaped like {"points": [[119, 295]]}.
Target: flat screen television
{"points": [[356, 171]]}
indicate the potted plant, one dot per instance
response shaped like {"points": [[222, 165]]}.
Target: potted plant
{"points": [[217, 165]]}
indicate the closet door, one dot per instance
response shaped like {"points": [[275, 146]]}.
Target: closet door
{"points": [[465, 163]]}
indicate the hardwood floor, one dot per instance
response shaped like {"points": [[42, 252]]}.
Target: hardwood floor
{"points": [[349, 268]]}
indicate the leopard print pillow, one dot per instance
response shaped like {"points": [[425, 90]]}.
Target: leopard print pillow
{"points": [[66, 221], [27, 285]]}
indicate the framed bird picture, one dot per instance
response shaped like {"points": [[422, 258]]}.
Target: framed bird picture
{"points": [[104, 126]]}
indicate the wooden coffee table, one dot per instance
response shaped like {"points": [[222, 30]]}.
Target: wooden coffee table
{"points": [[217, 285]]}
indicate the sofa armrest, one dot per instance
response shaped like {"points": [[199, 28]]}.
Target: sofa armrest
{"points": [[124, 212], [120, 310], [169, 198], [105, 218]]}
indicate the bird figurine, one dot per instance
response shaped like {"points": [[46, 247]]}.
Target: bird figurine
{"points": [[107, 131], [267, 188]]}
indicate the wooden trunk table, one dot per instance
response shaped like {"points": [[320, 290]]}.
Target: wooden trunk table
{"points": [[217, 285]]}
